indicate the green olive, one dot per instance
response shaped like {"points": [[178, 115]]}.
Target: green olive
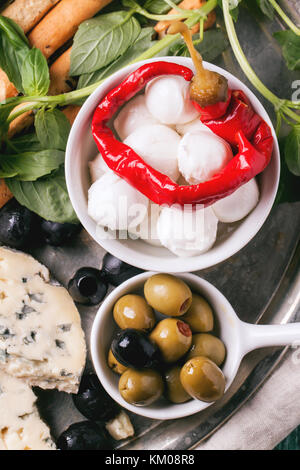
{"points": [[174, 389], [132, 311], [168, 294], [204, 344], [199, 316], [115, 365], [141, 387], [202, 379], [173, 338]]}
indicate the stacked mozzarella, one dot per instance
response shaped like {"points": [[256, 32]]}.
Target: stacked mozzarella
{"points": [[164, 128]]}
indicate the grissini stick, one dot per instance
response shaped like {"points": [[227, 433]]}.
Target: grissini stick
{"points": [[5, 194], [27, 13], [62, 22], [60, 81], [162, 26], [71, 112], [7, 89]]}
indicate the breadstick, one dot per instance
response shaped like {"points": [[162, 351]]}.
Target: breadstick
{"points": [[162, 26], [60, 81], [27, 13], [5, 194], [21, 122], [71, 112], [61, 23], [7, 89]]}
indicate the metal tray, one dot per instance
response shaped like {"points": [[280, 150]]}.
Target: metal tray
{"points": [[262, 281]]}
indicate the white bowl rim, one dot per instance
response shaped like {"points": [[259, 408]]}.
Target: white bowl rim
{"points": [[229, 324], [248, 227]]}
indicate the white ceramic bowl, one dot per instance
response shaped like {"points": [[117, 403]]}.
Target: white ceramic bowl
{"points": [[239, 338], [81, 148]]}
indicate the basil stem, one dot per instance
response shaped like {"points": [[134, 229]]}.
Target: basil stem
{"points": [[33, 102], [281, 105]]}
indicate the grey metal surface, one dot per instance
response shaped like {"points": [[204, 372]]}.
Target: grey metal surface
{"points": [[261, 281]]}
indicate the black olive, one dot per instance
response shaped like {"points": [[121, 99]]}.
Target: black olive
{"points": [[117, 271], [93, 401], [85, 435], [57, 234], [133, 348], [88, 286], [18, 225]]}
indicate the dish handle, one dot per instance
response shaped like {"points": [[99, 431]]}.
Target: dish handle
{"points": [[260, 336]]}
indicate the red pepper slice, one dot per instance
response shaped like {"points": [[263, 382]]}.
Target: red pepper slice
{"points": [[213, 111], [251, 159], [239, 116]]}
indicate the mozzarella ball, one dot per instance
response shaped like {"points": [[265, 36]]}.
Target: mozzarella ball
{"points": [[193, 126], [115, 204], [147, 230], [201, 155], [168, 100], [133, 115], [187, 232], [158, 146], [236, 206], [97, 168]]}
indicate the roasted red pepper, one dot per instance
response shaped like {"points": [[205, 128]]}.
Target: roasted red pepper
{"points": [[239, 121], [240, 116]]}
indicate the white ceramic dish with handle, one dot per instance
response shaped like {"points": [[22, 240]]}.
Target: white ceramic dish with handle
{"points": [[81, 149], [239, 338]]}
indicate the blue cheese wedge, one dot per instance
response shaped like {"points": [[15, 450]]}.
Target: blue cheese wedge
{"points": [[21, 428], [41, 339]]}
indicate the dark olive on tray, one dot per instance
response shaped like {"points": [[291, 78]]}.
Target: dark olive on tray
{"points": [[18, 225], [93, 401], [57, 234], [88, 286], [85, 435], [117, 271]]}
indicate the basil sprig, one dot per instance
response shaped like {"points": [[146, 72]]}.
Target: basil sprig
{"points": [[101, 40], [26, 68], [52, 128], [48, 197]]}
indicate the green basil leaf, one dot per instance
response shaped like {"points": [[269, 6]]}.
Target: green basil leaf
{"points": [[142, 44], [213, 44], [52, 128], [292, 150], [290, 44], [266, 7], [101, 40], [48, 197], [35, 74], [13, 50], [30, 166], [22, 144], [158, 7]]}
